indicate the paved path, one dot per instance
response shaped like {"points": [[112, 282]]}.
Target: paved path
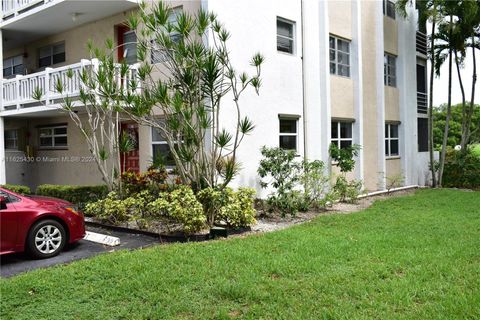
{"points": [[14, 264]]}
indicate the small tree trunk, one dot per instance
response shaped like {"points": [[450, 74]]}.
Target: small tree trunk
{"points": [[430, 107], [466, 133], [464, 105], [449, 113]]}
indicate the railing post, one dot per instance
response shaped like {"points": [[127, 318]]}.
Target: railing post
{"points": [[48, 83], [17, 91]]}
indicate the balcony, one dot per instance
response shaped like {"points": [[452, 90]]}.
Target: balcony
{"points": [[421, 43], [18, 93], [25, 21], [422, 106], [12, 8]]}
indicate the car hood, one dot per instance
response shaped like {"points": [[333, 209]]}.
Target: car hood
{"points": [[47, 201]]}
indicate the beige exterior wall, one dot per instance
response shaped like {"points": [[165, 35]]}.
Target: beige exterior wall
{"points": [[75, 42], [390, 35], [369, 94], [394, 167], [392, 104], [340, 18], [70, 165], [342, 97]]}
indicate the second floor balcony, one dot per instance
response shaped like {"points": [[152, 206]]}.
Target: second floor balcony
{"points": [[19, 93]]}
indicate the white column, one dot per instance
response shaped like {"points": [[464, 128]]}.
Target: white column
{"points": [[407, 85], [357, 77], [3, 172]]}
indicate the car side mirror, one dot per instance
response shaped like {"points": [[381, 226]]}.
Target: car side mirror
{"points": [[3, 203]]}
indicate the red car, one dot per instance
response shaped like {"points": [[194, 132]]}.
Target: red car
{"points": [[40, 225]]}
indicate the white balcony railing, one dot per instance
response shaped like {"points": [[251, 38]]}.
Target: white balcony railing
{"points": [[15, 7], [19, 93]]}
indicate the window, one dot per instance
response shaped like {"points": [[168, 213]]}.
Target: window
{"points": [[339, 57], [156, 55], [342, 134], [422, 134], [391, 140], [421, 89], [13, 66], [389, 8], [130, 47], [285, 36], [51, 55], [288, 133], [8, 197], [11, 139], [389, 70], [53, 137], [160, 148]]}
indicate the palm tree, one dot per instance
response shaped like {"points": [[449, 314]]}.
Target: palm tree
{"points": [[472, 33], [428, 11], [447, 34]]}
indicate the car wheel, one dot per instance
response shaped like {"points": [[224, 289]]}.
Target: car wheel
{"points": [[46, 239]]}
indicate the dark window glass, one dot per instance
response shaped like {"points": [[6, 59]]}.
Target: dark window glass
{"points": [[334, 130], [288, 142], [46, 142], [394, 147], [422, 127], [285, 36], [288, 126], [44, 62], [162, 151], [345, 144], [421, 79], [345, 130], [60, 141]]}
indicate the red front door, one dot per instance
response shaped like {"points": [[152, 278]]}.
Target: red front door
{"points": [[131, 161]]}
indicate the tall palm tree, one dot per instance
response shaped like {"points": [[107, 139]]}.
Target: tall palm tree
{"points": [[428, 11], [472, 34], [444, 49]]}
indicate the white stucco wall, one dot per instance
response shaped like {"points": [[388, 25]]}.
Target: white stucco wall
{"points": [[281, 91]]}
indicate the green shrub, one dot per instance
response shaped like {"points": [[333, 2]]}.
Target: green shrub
{"points": [[462, 170], [79, 195], [179, 205], [347, 191], [300, 185], [182, 206], [17, 188], [344, 157], [315, 182], [235, 209]]}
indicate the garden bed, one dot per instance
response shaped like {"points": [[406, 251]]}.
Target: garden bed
{"points": [[265, 222]]}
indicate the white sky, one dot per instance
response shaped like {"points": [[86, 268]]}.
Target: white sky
{"points": [[440, 90]]}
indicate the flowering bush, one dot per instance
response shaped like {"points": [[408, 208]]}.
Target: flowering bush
{"points": [[154, 180]]}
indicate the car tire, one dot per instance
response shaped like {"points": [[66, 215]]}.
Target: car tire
{"points": [[46, 239]]}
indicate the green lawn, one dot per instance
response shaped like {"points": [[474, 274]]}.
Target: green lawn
{"points": [[416, 257]]}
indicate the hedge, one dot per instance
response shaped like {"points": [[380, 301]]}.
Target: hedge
{"points": [[79, 195], [462, 170], [17, 188]]}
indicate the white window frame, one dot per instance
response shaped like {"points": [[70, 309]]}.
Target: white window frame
{"points": [[386, 11], [14, 139], [53, 135], [51, 54], [12, 65], [339, 139], [293, 24], [389, 76], [389, 139], [161, 142], [288, 134], [156, 55], [337, 51]]}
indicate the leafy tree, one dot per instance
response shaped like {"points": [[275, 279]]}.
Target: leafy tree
{"points": [[197, 77], [455, 130]]}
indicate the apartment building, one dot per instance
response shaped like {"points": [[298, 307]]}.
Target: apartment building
{"points": [[344, 72]]}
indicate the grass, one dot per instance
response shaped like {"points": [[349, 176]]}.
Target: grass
{"points": [[415, 257]]}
